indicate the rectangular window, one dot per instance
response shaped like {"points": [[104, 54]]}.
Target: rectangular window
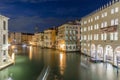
{"points": [[4, 39], [94, 26], [112, 22], [105, 13], [116, 9], [116, 36], [97, 26], [4, 53], [105, 24], [105, 36], [116, 21], [111, 36], [91, 20], [112, 11], [102, 15], [84, 37], [91, 36], [91, 28], [102, 25], [101, 36], [4, 25], [97, 37]]}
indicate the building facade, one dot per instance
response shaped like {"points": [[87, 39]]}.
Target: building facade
{"points": [[26, 38], [14, 37], [67, 37], [41, 39], [49, 38], [100, 33], [4, 56], [37, 39]]}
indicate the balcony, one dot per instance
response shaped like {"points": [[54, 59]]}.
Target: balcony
{"points": [[109, 29]]}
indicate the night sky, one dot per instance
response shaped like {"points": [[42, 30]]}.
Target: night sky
{"points": [[26, 14]]}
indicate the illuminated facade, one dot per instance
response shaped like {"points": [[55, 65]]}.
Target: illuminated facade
{"points": [[67, 37], [4, 56], [49, 38], [38, 39], [100, 31], [20, 38], [14, 37], [41, 39]]}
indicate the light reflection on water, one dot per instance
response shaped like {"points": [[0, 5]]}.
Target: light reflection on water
{"points": [[62, 62], [30, 53], [64, 66]]}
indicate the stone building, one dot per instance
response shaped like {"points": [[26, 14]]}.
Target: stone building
{"points": [[68, 36], [49, 38], [4, 56], [100, 33]]}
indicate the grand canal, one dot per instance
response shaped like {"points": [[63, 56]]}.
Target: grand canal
{"points": [[30, 62]]}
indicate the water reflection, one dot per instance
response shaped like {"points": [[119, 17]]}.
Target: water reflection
{"points": [[6, 75], [63, 66], [30, 52], [62, 62]]}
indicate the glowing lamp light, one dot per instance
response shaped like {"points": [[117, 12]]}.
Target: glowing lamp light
{"points": [[13, 47]]}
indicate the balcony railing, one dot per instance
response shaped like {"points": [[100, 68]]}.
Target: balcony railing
{"points": [[109, 29]]}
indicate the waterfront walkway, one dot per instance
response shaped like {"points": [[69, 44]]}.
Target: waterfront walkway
{"points": [[6, 64]]}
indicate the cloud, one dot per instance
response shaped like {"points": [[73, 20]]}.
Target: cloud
{"points": [[27, 23], [30, 1]]}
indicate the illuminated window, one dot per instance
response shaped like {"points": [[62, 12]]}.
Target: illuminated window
{"points": [[85, 29], [112, 22], [91, 20], [105, 13], [116, 36], [97, 17], [116, 21], [111, 36], [4, 52], [102, 25], [94, 26], [102, 15], [81, 30], [91, 37], [97, 26], [116, 9], [95, 37], [102, 36], [84, 37], [91, 27], [88, 37], [105, 24], [112, 11]]}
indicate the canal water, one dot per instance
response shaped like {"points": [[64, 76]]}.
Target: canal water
{"points": [[63, 66]]}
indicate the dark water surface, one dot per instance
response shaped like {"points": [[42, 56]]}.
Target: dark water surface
{"points": [[63, 66]]}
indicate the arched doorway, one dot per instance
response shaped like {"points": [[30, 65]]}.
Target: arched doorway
{"points": [[108, 54], [85, 51], [117, 56], [93, 52], [99, 52]]}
